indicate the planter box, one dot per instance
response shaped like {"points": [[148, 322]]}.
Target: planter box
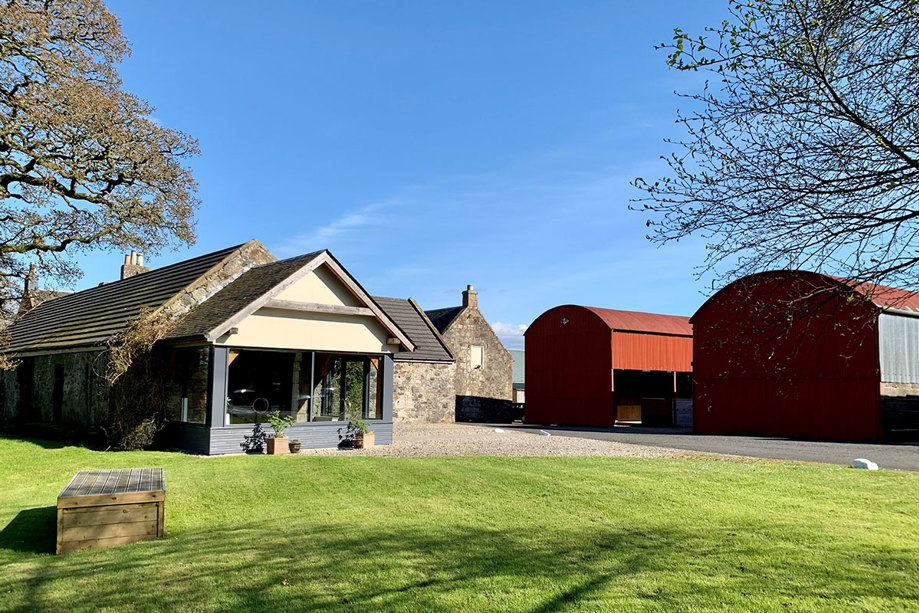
{"points": [[105, 508], [365, 440], [278, 446]]}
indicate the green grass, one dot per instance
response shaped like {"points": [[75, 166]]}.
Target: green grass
{"points": [[469, 534]]}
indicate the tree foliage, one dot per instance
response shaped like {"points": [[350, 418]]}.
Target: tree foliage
{"points": [[801, 149], [82, 161]]}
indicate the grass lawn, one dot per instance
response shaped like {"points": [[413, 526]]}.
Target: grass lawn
{"points": [[469, 534]]}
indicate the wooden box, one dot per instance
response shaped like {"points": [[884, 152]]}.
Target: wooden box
{"points": [[278, 446], [364, 440], [105, 508]]}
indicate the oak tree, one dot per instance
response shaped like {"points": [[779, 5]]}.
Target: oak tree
{"points": [[83, 163]]}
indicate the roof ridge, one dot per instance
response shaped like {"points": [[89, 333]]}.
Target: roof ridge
{"points": [[431, 326]]}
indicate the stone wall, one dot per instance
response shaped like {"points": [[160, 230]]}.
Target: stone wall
{"points": [[84, 398], [249, 255], [9, 395], [423, 392], [482, 394]]}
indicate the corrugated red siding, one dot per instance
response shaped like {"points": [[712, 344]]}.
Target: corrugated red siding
{"points": [[637, 351], [784, 354], [569, 367]]}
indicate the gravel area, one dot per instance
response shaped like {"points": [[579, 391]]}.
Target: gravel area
{"points": [[424, 439]]}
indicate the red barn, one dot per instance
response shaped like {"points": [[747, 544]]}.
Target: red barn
{"points": [[593, 367], [800, 354]]}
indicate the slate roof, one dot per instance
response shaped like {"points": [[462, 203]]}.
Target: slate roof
{"points": [[442, 318], [429, 346], [236, 296], [92, 316]]}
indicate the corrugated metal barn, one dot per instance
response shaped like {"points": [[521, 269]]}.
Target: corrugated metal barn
{"points": [[593, 367], [806, 355]]}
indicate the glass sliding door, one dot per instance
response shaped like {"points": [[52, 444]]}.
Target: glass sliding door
{"points": [[346, 387]]}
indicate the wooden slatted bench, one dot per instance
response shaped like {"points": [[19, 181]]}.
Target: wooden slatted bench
{"points": [[105, 508]]}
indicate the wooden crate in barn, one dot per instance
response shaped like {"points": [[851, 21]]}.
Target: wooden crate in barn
{"points": [[105, 508]]}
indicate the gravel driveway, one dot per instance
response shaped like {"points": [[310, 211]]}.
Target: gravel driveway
{"points": [[424, 439], [900, 456]]}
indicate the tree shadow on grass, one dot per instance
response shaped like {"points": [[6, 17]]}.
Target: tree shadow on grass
{"points": [[31, 531], [13, 434], [444, 568]]}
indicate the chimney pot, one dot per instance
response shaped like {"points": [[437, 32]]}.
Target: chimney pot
{"points": [[133, 264], [470, 298]]}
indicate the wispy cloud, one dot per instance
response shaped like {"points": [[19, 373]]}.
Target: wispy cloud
{"points": [[326, 236], [510, 334], [548, 230]]}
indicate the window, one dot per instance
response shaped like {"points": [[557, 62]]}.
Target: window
{"points": [[186, 388], [260, 382], [346, 387], [476, 357], [307, 386]]}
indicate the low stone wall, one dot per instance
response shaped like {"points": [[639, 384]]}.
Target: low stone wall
{"points": [[423, 392], [487, 410]]}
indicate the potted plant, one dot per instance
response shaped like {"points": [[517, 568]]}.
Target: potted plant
{"points": [[364, 438], [277, 443]]}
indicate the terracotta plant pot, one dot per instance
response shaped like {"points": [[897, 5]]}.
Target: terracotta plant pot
{"points": [[278, 446], [294, 446], [364, 440]]}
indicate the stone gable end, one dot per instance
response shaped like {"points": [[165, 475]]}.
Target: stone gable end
{"points": [[480, 392]]}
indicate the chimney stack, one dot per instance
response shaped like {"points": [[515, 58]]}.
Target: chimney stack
{"points": [[30, 285], [133, 265], [471, 298]]}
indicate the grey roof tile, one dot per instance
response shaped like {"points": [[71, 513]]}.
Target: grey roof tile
{"points": [[236, 296], [429, 346], [92, 316]]}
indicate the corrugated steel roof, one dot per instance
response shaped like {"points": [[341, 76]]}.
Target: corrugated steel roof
{"points": [[884, 296], [634, 321], [92, 316], [429, 346]]}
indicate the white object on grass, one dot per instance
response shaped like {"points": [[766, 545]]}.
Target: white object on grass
{"points": [[863, 463]]}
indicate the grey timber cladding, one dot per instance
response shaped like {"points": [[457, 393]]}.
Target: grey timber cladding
{"points": [[429, 346], [312, 435], [92, 316], [236, 296]]}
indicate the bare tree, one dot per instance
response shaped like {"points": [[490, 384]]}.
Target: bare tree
{"points": [[82, 162], [802, 151]]}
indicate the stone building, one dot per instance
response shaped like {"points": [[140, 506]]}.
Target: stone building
{"points": [[239, 334], [484, 368], [423, 380]]}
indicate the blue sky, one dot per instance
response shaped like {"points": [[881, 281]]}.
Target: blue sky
{"points": [[428, 144]]}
